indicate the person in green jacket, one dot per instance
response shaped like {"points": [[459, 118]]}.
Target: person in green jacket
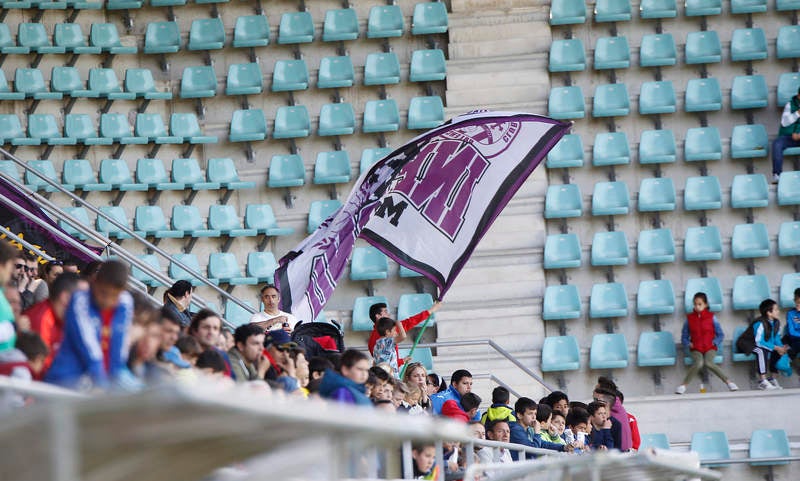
{"points": [[499, 409], [788, 134]]}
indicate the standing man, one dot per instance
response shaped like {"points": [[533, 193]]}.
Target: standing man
{"points": [[272, 318], [788, 134]]}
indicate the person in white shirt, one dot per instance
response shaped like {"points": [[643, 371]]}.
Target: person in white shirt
{"points": [[272, 318], [496, 431]]}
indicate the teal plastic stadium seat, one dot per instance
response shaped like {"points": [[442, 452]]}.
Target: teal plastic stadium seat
{"points": [[105, 226], [611, 148], [372, 155], [385, 21], [567, 55], [225, 219], [658, 9], [425, 113], [291, 122], [81, 215], [9, 168], [140, 82], [748, 44], [104, 83], [657, 147], [405, 272], [296, 27], [186, 219], [5, 90], [711, 445], [151, 260], [608, 300], [381, 68], [654, 440], [187, 127], [45, 168], [286, 171], [106, 36], [162, 37], [290, 75], [207, 34], [658, 50], [560, 353], [697, 8], [789, 188], [749, 141], [34, 37], [70, 37], [421, 354], [562, 251], [703, 47], [428, 66], [657, 98], [12, 133], [30, 82], [789, 239], [236, 314], [177, 273], [656, 349], [749, 190], [566, 103], [149, 221], [563, 201], [608, 351], [381, 116], [123, 4], [769, 443], [198, 82], [749, 92], [336, 119], [749, 291], [261, 266], [610, 249], [262, 218], [65, 80], [789, 282], [332, 167], [655, 298], [567, 12], [612, 11], [45, 128], [702, 193], [712, 289], [788, 42], [703, 95], [429, 18], [610, 198], [412, 304], [748, 6], [737, 355], [117, 128], [81, 174], [787, 5], [340, 25], [361, 320], [611, 100], [335, 72], [702, 243], [568, 152], [656, 195], [251, 31], [749, 241], [222, 171], [612, 53], [244, 79], [561, 302], [7, 43], [368, 263], [655, 246], [788, 83], [248, 126], [223, 268], [81, 128], [701, 144], [152, 127], [319, 211], [187, 173]]}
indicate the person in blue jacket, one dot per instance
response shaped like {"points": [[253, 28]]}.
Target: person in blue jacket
{"points": [[460, 384], [791, 333], [526, 429], [347, 385], [769, 347]]}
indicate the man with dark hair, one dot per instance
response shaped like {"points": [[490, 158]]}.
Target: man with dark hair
{"points": [[470, 402], [460, 384], [170, 333], [47, 317], [499, 408], [248, 363], [526, 430], [496, 431], [25, 278], [177, 300], [379, 310], [281, 368], [272, 318]]}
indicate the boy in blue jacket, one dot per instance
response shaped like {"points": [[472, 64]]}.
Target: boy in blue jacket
{"points": [[769, 347], [600, 438], [791, 333], [526, 430]]}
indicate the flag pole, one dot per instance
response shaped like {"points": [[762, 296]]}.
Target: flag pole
{"points": [[414, 346]]}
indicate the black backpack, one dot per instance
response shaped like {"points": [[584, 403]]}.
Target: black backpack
{"points": [[747, 341]]}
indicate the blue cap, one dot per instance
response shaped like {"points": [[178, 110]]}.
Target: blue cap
{"points": [[279, 338]]}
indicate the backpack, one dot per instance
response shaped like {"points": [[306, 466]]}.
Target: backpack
{"points": [[747, 341], [308, 334]]}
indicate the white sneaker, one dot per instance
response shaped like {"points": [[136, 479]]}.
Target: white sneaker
{"points": [[765, 385], [680, 389], [732, 386], [774, 382], [776, 178]]}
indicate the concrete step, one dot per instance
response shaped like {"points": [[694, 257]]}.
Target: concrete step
{"points": [[508, 94], [538, 107], [468, 6], [497, 72]]}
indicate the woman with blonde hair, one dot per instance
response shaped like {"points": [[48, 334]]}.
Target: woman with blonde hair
{"points": [[416, 375]]}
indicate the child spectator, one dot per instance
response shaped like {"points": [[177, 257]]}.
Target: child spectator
{"points": [[411, 400], [558, 424], [436, 384], [559, 402], [189, 349], [600, 434], [47, 317], [702, 336], [392, 333], [499, 408], [399, 391], [8, 265], [301, 370], [577, 429], [470, 403], [347, 385], [460, 384], [607, 392], [26, 360], [144, 353], [526, 430], [423, 455], [768, 348], [791, 333], [551, 430], [212, 363], [170, 333]]}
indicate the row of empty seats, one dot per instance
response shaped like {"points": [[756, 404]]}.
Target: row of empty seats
{"points": [[49, 5], [67, 38], [714, 446]]}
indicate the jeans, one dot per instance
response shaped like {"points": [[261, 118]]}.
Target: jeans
{"points": [[781, 142]]}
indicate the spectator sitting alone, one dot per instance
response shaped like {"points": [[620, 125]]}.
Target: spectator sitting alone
{"points": [[788, 134]]}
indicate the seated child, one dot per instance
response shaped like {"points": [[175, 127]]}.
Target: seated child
{"points": [[600, 438], [423, 455], [556, 426], [577, 430], [791, 333]]}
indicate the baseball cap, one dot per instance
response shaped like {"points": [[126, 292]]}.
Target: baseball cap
{"points": [[279, 338]]}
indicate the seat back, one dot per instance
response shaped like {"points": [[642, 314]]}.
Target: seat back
{"points": [[749, 190], [43, 126], [788, 42], [656, 349], [187, 218], [296, 27], [703, 95], [561, 302], [332, 167], [290, 75], [286, 171], [411, 304], [656, 194], [184, 125], [187, 171], [162, 37], [78, 172], [385, 21], [567, 12], [425, 112], [562, 251], [611, 100], [609, 249], [566, 103], [104, 81], [427, 66], [381, 68], [251, 31], [788, 83], [336, 119], [749, 291], [114, 126], [198, 81], [206, 34], [703, 47], [612, 53], [150, 125], [560, 353], [361, 319], [319, 211], [381, 116], [236, 314], [339, 25], [608, 300], [32, 35], [45, 168], [248, 122], [259, 216], [702, 244], [429, 18], [262, 265], [568, 152], [789, 239], [708, 285], [748, 44], [335, 72], [655, 298], [655, 246], [223, 265], [371, 155], [789, 283], [654, 440], [79, 126], [104, 35], [610, 198], [749, 141], [139, 81], [710, 445], [244, 78], [29, 81], [69, 35], [115, 172], [657, 98], [151, 171], [769, 443], [291, 122], [567, 55], [118, 214], [749, 241], [658, 50], [608, 351], [702, 143], [368, 263], [749, 92], [611, 148], [657, 147], [702, 193], [223, 217], [222, 170], [563, 201]]}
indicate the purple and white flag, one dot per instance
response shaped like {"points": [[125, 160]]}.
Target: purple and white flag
{"points": [[426, 205]]}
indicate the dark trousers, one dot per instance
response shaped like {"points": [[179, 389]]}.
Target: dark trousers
{"points": [[780, 143]]}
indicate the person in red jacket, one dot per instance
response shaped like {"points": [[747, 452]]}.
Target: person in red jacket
{"points": [[379, 310], [47, 317], [703, 336]]}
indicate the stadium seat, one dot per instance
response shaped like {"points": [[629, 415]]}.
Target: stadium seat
{"points": [[198, 82], [44, 128], [562, 251], [223, 172], [332, 167], [560, 353], [650, 9], [566, 103], [749, 190], [611, 100], [608, 351], [567, 56], [789, 188], [248, 125], [769, 443], [656, 349], [703, 47], [657, 98], [567, 12], [340, 25], [33, 36], [737, 355], [361, 320], [562, 201], [658, 50], [81, 216], [286, 171], [787, 5], [748, 44], [251, 31], [9, 168], [657, 147], [262, 218], [697, 8], [788, 42], [656, 195], [368, 263], [7, 43], [425, 113], [244, 79], [335, 72], [152, 173], [140, 82], [750, 241], [703, 95], [151, 260], [81, 174], [107, 228], [612, 11], [610, 198], [381, 116], [117, 128], [710, 286], [123, 4], [106, 36], [788, 83], [385, 21], [5, 90], [405, 272], [789, 283], [423, 355], [45, 168], [609, 249], [162, 37], [103, 82], [429, 18], [187, 127], [749, 141], [152, 128], [789, 239], [186, 219], [702, 144], [749, 92], [336, 119], [70, 37], [655, 246], [749, 291], [187, 173], [561, 302], [236, 314], [608, 300], [612, 53], [30, 82], [702, 193], [319, 211], [611, 148], [712, 445], [702, 243], [381, 68], [412, 304], [568, 152], [81, 128], [206, 34], [223, 268], [225, 219], [748, 6], [11, 131], [261, 266], [149, 221], [115, 172], [291, 122], [427, 66], [296, 27], [654, 440], [290, 75], [655, 298], [372, 155]]}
